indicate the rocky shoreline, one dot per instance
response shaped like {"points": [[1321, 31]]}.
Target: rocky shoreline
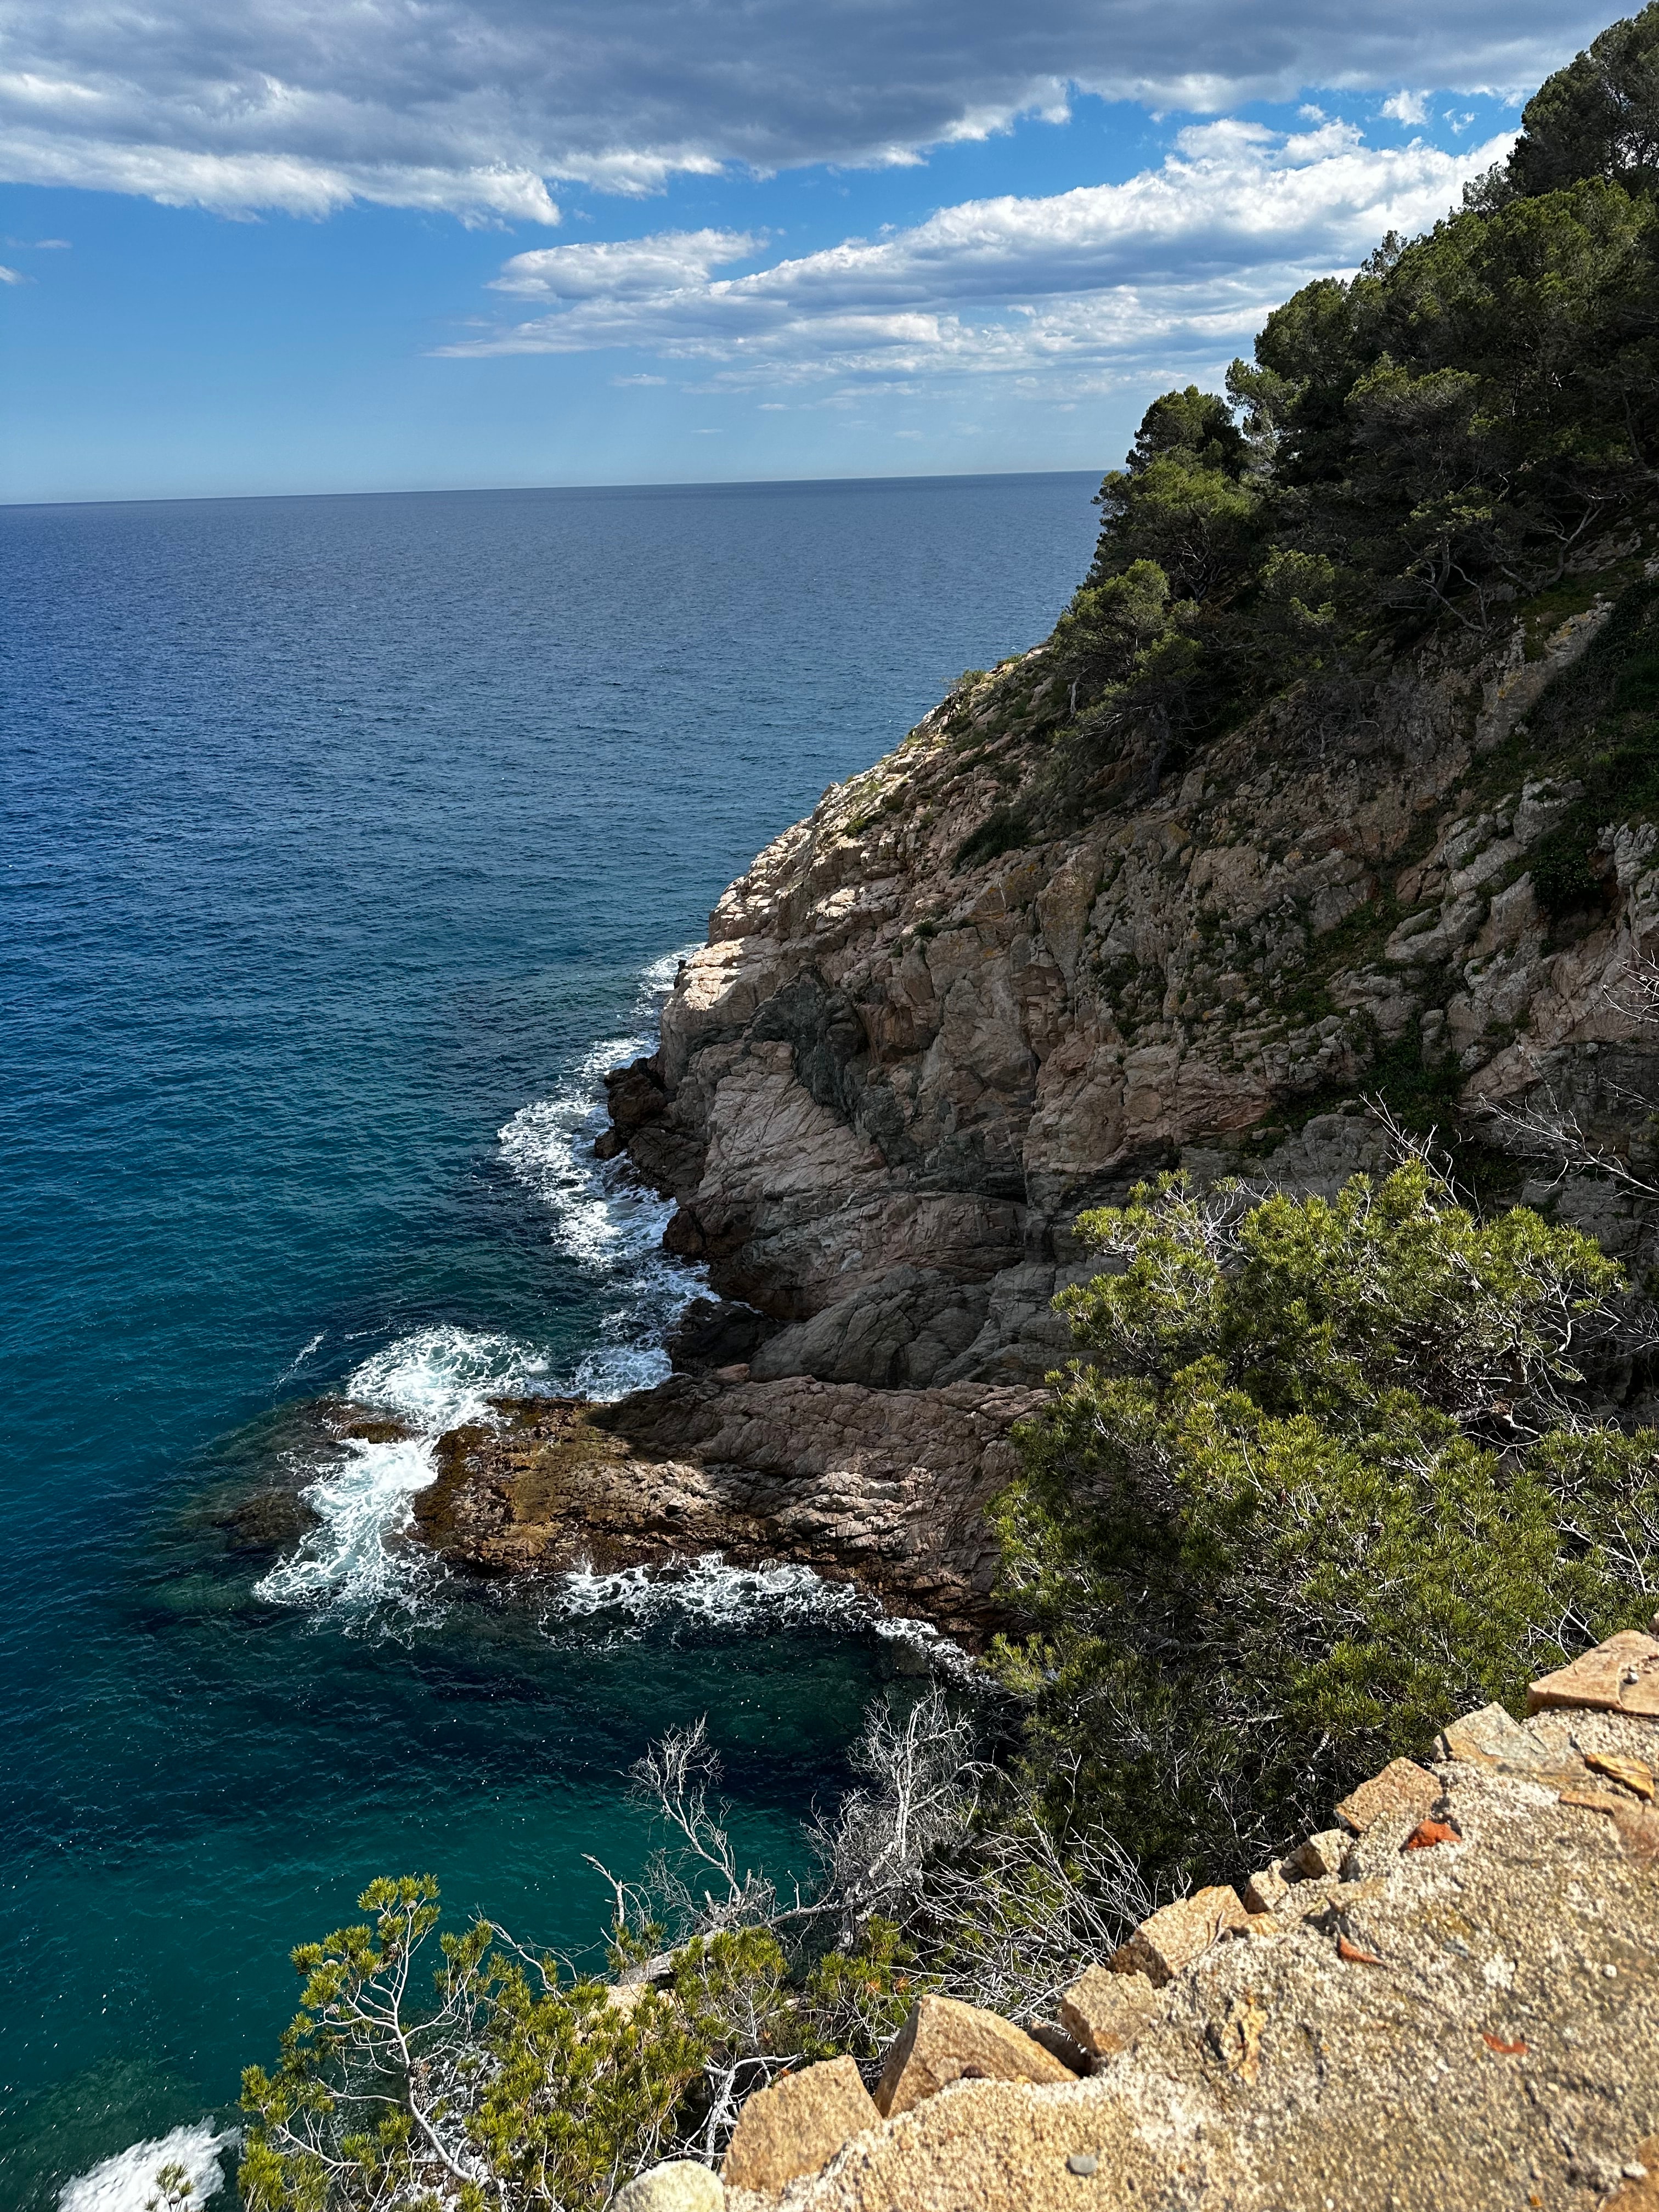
{"points": [[911, 1050], [888, 1490]]}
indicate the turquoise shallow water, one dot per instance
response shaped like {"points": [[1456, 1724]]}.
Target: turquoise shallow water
{"points": [[344, 840]]}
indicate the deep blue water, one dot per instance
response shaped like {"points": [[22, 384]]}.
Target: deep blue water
{"points": [[343, 841]]}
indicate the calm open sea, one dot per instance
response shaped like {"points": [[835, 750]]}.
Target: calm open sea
{"points": [[346, 841]]}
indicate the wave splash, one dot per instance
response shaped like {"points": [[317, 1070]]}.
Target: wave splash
{"points": [[356, 1559], [608, 1225], [126, 2182], [705, 1593], [357, 1562]]}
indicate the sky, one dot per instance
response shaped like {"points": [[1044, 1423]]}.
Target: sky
{"points": [[313, 245]]}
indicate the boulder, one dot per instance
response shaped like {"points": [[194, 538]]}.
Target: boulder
{"points": [[945, 2041], [1402, 1787], [1321, 1855], [797, 2126], [680, 2184], [1174, 1937], [1266, 1891], [1619, 1676], [1494, 1739], [1104, 2011]]}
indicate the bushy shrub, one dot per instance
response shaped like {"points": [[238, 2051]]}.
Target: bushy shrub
{"points": [[1324, 1480], [511, 2085]]}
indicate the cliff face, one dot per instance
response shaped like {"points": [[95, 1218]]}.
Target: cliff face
{"points": [[914, 1045]]}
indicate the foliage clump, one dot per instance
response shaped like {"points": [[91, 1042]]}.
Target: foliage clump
{"points": [[1416, 447], [1328, 1475]]}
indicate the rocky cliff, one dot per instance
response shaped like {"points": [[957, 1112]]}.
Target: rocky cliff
{"points": [[951, 1008], [938, 1017]]}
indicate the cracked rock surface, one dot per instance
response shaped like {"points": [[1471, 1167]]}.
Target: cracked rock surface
{"points": [[1470, 2022]]}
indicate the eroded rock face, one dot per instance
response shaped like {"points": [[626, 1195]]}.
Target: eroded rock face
{"points": [[886, 1487], [891, 1077]]}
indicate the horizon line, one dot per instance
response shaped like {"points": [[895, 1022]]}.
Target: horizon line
{"points": [[474, 491]]}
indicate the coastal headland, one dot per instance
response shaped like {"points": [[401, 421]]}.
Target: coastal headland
{"points": [[920, 1038]]}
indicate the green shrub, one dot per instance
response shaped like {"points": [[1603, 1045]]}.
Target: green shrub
{"points": [[1318, 1487], [1004, 829], [510, 2086]]}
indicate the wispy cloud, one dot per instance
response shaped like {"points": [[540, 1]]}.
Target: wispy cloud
{"points": [[11, 276], [477, 106], [1181, 261]]}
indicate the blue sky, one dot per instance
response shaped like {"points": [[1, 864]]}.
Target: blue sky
{"points": [[428, 243]]}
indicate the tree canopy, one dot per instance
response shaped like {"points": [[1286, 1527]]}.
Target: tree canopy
{"points": [[1420, 445]]}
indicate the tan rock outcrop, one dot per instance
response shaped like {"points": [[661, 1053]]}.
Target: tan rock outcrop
{"points": [[1473, 2025], [797, 2126], [1619, 1676], [1173, 1938], [944, 2041], [1402, 1788], [1104, 2012]]}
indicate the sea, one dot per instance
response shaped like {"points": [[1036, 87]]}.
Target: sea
{"points": [[346, 842]]}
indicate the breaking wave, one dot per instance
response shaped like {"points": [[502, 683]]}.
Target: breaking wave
{"points": [[603, 1218], [126, 2182], [358, 1560], [705, 1593]]}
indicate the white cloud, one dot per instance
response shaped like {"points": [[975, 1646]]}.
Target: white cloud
{"points": [[237, 182], [629, 269], [11, 276], [1407, 107], [1180, 263], [476, 105]]}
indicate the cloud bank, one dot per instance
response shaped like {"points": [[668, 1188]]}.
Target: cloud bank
{"points": [[476, 105], [1181, 263]]}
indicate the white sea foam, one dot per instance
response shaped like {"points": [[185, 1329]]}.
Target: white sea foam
{"points": [[355, 1559], [709, 1592], [940, 1653], [440, 1377], [602, 1217], [126, 2182]]}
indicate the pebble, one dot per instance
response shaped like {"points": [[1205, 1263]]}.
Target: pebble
{"points": [[1083, 2162]]}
